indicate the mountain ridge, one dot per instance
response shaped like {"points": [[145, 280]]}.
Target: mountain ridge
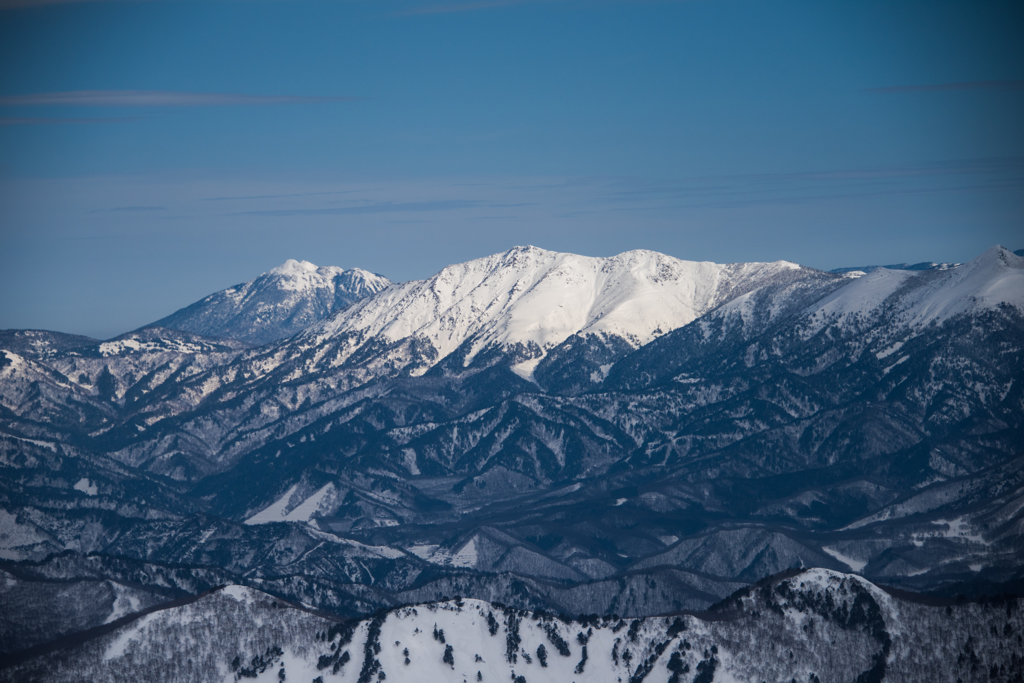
{"points": [[533, 300], [800, 625], [277, 304]]}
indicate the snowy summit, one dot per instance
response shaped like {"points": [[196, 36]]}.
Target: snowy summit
{"points": [[533, 300], [277, 304]]}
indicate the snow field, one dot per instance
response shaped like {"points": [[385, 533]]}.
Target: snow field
{"points": [[538, 299], [801, 628], [466, 630]]}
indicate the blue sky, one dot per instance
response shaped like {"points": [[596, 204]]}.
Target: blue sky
{"points": [[153, 152]]}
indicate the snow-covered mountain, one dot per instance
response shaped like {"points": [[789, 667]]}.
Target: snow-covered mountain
{"points": [[526, 301], [815, 625], [277, 304], [993, 279], [881, 310], [670, 432]]}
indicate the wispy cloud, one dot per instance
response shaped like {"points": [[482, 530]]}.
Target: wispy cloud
{"points": [[430, 9], [13, 4], [46, 121], [19, 4], [939, 87], [954, 176], [384, 207], [477, 5], [276, 196], [156, 98], [468, 6], [583, 198], [130, 209]]}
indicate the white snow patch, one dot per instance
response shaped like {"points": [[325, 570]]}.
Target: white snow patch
{"points": [[959, 529], [117, 648], [275, 512], [855, 565], [467, 556], [283, 509], [889, 351], [424, 552], [409, 455], [902, 359], [86, 487], [601, 375], [15, 363], [526, 369], [43, 444], [115, 347], [238, 593], [309, 507], [123, 604]]}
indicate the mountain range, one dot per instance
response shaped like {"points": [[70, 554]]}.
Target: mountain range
{"points": [[634, 435]]}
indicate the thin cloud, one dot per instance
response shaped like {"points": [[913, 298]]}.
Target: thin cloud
{"points": [[941, 87], [276, 196], [628, 187], [20, 4], [130, 209], [853, 194], [466, 7], [46, 121], [383, 207], [478, 5], [15, 4], [960, 176], [156, 98]]}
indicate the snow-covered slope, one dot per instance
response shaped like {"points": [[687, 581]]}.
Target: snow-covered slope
{"points": [[924, 265], [916, 299], [277, 304], [531, 300], [816, 625]]}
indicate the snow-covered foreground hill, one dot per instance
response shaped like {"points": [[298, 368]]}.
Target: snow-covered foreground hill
{"points": [[813, 625]]}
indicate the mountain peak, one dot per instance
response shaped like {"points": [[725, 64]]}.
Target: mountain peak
{"points": [[528, 249], [279, 303], [993, 262], [531, 299], [291, 267], [993, 279], [999, 256]]}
